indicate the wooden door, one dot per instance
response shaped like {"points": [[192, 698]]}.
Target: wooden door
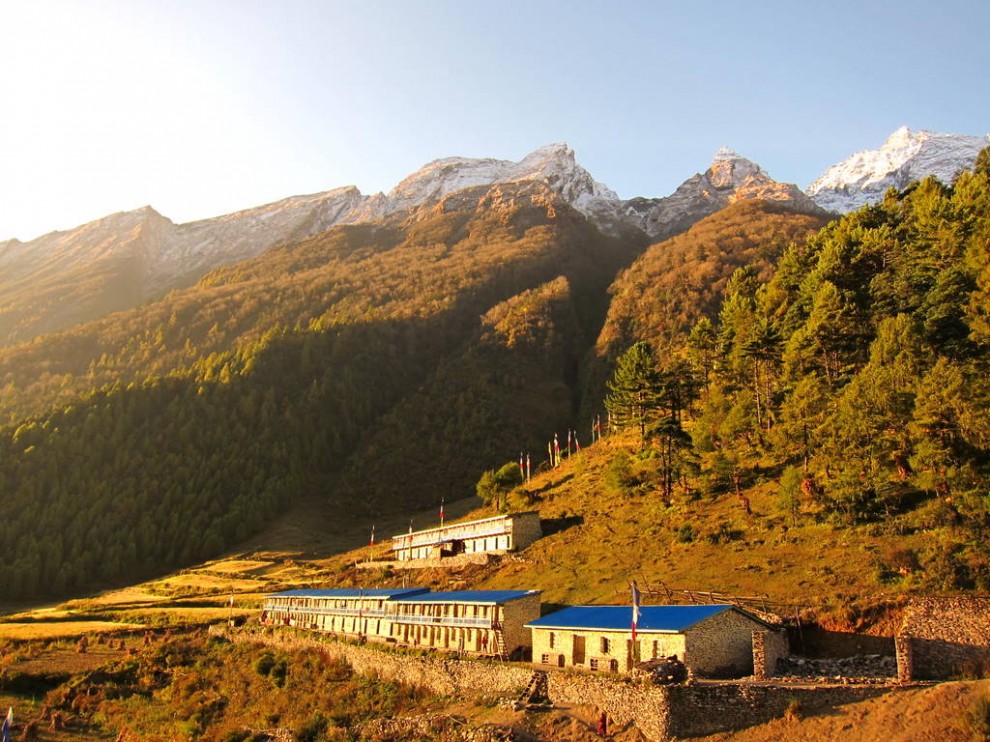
{"points": [[578, 655]]}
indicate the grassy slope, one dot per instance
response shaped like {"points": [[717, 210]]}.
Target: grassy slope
{"points": [[595, 543]]}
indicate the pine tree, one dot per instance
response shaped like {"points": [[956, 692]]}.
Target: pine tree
{"points": [[635, 395]]}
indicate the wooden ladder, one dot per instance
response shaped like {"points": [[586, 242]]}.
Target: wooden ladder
{"points": [[499, 641], [537, 690]]}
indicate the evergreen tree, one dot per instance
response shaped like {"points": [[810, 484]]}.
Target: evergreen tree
{"points": [[635, 397]]}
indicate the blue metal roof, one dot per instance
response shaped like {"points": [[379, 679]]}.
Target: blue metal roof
{"points": [[352, 592], [467, 596], [656, 618]]}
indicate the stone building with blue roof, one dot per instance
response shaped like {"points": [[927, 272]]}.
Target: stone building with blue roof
{"points": [[711, 640]]}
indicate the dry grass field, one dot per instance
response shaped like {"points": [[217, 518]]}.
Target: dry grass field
{"points": [[596, 540]]}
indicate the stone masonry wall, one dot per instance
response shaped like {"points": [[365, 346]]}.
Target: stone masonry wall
{"points": [[768, 647], [709, 708], [944, 637], [660, 712], [721, 645], [646, 706], [442, 675], [517, 613], [525, 530], [679, 711]]}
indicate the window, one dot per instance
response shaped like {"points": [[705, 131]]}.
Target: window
{"points": [[605, 645], [553, 640]]}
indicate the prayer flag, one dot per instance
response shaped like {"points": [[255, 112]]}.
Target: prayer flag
{"points": [[635, 609]]}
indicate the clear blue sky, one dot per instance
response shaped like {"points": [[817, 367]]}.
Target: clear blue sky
{"points": [[201, 107]]}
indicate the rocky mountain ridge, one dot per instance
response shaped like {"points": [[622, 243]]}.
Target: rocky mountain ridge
{"points": [[64, 278], [728, 179]]}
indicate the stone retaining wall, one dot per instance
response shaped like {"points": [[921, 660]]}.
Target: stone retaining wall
{"points": [[659, 712], [703, 709], [442, 675], [646, 706]]}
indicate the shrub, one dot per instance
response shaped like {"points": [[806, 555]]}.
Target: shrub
{"points": [[978, 719], [792, 712], [313, 730], [264, 664], [686, 534], [619, 475]]}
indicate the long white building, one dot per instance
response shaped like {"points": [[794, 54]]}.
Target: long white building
{"points": [[481, 622], [500, 534]]}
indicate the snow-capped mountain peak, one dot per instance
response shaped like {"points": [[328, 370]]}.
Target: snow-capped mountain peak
{"points": [[906, 156], [552, 164], [731, 170]]}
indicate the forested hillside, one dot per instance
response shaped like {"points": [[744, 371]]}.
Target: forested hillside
{"points": [[855, 376], [159, 436], [379, 367]]}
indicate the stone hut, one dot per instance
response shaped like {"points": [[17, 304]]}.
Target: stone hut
{"points": [[944, 637], [711, 640]]}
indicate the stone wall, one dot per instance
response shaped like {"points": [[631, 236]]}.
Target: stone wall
{"points": [[944, 637], [525, 530], [516, 614], [700, 709], [646, 706], [659, 712], [431, 562], [768, 648], [442, 675], [722, 645], [709, 708]]}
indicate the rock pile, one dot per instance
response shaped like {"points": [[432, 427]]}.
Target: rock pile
{"points": [[859, 667], [662, 671]]}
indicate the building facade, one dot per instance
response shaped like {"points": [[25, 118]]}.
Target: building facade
{"points": [[711, 640], [490, 535], [352, 612], [482, 622]]}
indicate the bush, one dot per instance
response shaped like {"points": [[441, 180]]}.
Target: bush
{"points": [[978, 719], [619, 476], [686, 534], [792, 712], [313, 730], [493, 485], [265, 664]]}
